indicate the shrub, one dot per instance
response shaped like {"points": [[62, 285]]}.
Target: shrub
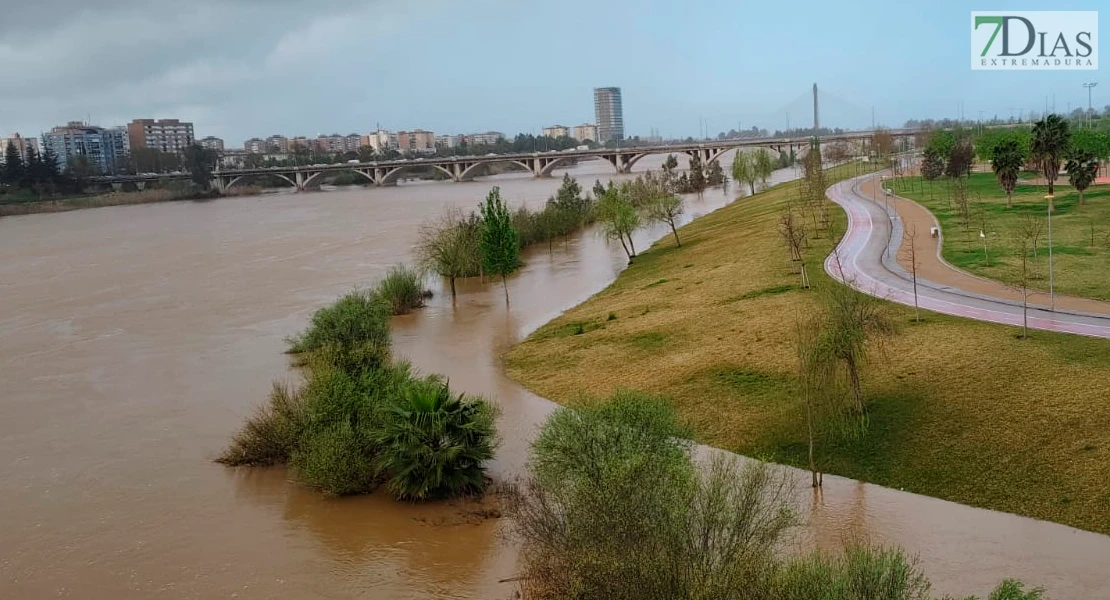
{"points": [[1015, 590], [271, 433], [336, 460], [434, 443], [352, 333], [670, 529], [451, 246], [402, 289], [862, 572]]}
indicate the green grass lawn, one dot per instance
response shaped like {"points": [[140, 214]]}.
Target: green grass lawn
{"points": [[958, 409], [1080, 234]]}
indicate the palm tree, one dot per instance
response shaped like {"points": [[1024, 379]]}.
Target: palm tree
{"points": [[1051, 139], [1082, 170], [1007, 160], [435, 444]]}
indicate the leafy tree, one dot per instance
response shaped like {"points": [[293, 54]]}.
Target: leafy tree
{"points": [[1082, 169], [599, 190], [715, 175], [671, 163], [500, 248], [763, 165], [662, 205], [1007, 160], [1093, 141], [619, 218], [697, 175], [434, 443], [932, 164], [960, 159], [743, 170], [199, 162], [569, 197], [1051, 140]]}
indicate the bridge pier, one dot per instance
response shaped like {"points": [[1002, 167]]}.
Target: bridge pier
{"points": [[117, 187]]}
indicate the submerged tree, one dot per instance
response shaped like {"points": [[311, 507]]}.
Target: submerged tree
{"points": [[499, 244], [743, 170], [451, 246], [433, 443], [697, 175]]}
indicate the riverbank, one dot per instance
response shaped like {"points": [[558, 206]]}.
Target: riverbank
{"points": [[1080, 233], [151, 196], [959, 410]]}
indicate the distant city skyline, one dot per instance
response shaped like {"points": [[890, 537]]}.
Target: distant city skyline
{"points": [[337, 66]]}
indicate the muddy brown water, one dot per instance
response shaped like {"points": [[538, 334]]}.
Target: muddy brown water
{"points": [[134, 340]]}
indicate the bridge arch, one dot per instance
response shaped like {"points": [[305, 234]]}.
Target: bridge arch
{"points": [[238, 178], [392, 175], [314, 179], [468, 172], [554, 164]]}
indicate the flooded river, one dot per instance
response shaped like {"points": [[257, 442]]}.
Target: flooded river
{"points": [[134, 340]]}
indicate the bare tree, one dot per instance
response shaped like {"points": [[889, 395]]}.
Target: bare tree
{"points": [[793, 234], [1024, 239], [911, 235], [816, 385], [450, 246], [1031, 228]]}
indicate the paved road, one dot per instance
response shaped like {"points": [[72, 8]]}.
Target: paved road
{"points": [[867, 255]]}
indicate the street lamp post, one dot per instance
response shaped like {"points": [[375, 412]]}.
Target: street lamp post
{"points": [[1090, 85], [1051, 281]]}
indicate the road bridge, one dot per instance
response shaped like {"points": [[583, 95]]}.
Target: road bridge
{"points": [[540, 164]]}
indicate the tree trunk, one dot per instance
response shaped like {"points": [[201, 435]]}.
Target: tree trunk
{"points": [[452, 288], [857, 393], [751, 184], [632, 245], [505, 285], [809, 426], [675, 232], [625, 246], [1009, 199]]}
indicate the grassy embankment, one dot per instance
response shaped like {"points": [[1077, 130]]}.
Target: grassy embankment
{"points": [[959, 410], [1080, 234]]}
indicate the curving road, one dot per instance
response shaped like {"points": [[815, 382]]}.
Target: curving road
{"points": [[867, 259]]}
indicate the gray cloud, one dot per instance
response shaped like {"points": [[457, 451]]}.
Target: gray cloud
{"points": [[228, 65]]}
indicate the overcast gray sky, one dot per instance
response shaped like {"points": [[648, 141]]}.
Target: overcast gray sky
{"points": [[243, 68]]}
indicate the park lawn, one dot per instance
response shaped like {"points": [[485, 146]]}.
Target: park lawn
{"points": [[1080, 234], [958, 409]]}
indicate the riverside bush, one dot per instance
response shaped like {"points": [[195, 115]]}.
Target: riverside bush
{"points": [[615, 507], [271, 433], [361, 419], [402, 289], [433, 443], [357, 321]]}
